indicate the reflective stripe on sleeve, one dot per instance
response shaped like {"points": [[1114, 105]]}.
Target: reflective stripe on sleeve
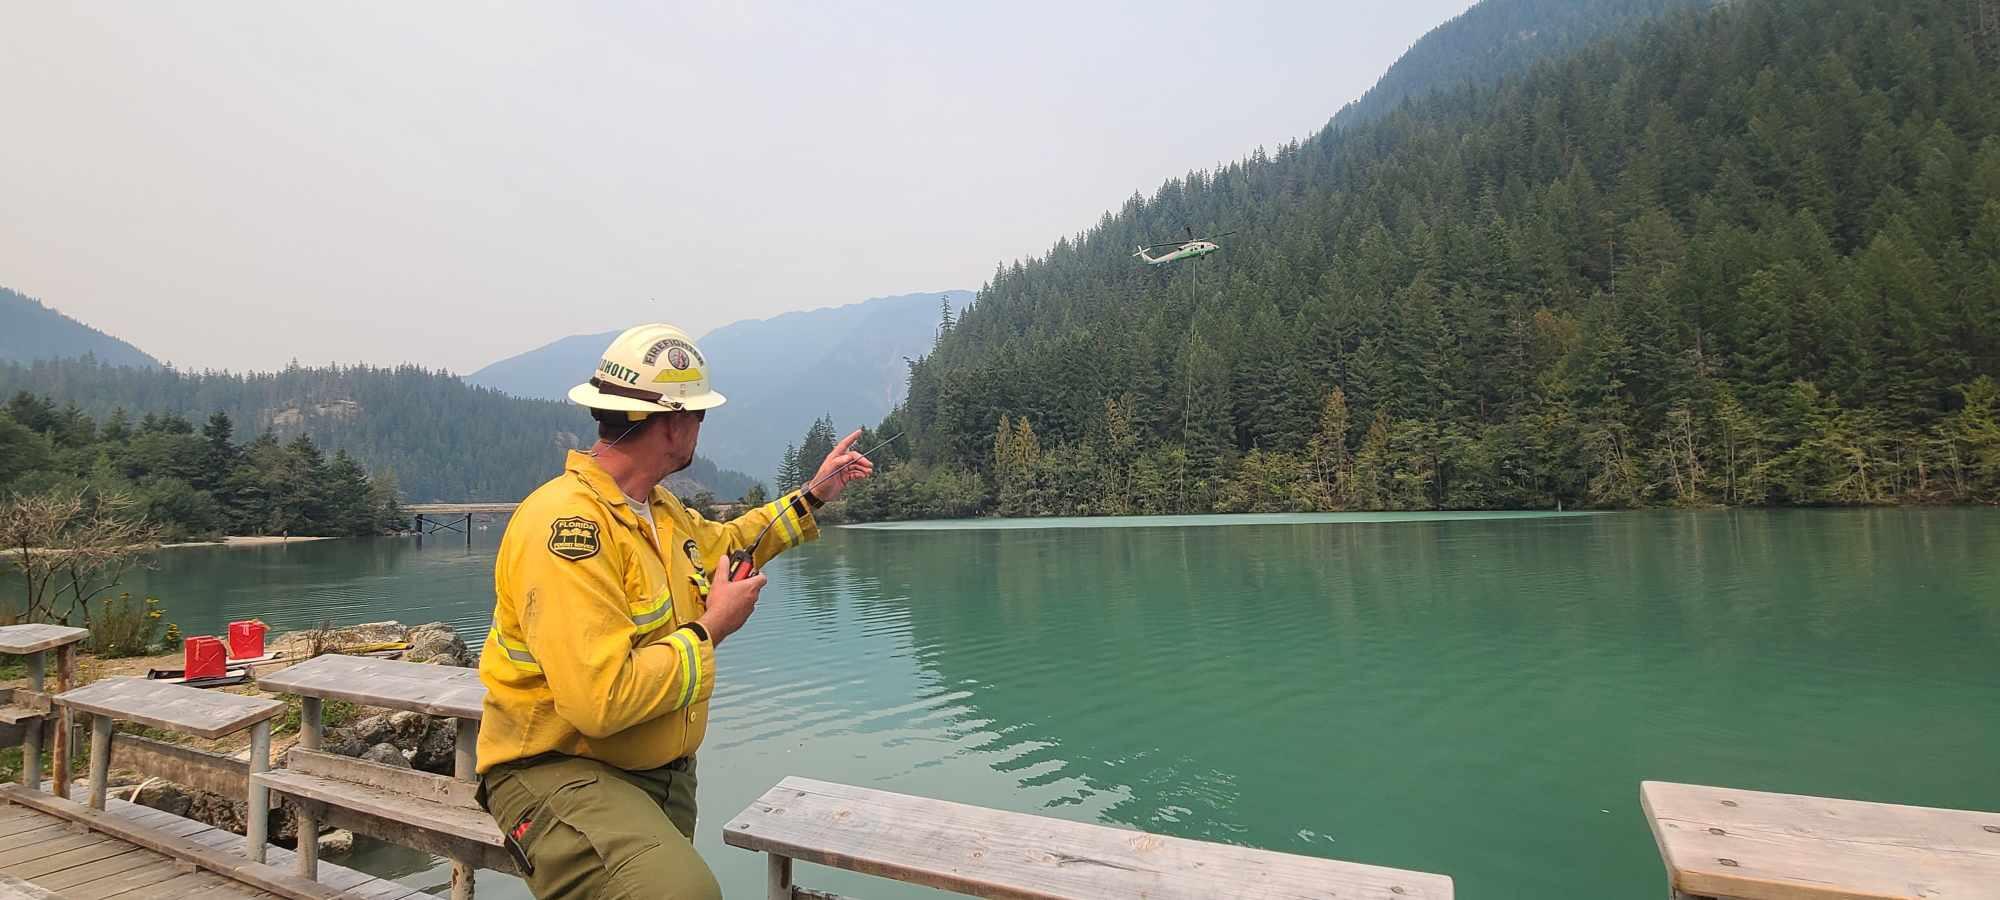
{"points": [[683, 641], [517, 653], [786, 513], [650, 615]]}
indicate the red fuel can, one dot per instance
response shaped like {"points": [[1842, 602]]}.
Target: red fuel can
{"points": [[202, 657], [246, 639]]}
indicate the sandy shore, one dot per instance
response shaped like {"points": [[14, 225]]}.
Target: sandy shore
{"points": [[238, 541]]}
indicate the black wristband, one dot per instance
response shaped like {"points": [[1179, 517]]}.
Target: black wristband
{"points": [[812, 502], [698, 630]]}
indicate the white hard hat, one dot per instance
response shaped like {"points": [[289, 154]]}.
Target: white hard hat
{"points": [[649, 369]]}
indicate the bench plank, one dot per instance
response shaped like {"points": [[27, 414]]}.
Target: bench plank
{"points": [[209, 714], [1755, 845], [383, 813], [385, 683], [20, 640], [990, 853], [407, 782]]}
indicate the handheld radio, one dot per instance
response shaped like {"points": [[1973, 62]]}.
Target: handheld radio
{"points": [[742, 562]]}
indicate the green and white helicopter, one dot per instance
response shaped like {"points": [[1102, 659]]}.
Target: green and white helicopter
{"points": [[1188, 249]]}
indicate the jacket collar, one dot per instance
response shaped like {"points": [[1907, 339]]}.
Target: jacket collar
{"points": [[585, 468]]}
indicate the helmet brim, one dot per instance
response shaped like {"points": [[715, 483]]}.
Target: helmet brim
{"points": [[588, 395]]}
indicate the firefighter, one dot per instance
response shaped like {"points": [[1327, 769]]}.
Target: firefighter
{"points": [[610, 597]]}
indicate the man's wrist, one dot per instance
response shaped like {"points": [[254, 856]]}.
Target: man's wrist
{"points": [[700, 631], [812, 500]]}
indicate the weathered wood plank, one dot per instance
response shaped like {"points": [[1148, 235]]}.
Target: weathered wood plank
{"points": [[29, 837], [469, 824], [209, 714], [21, 826], [386, 683], [449, 831], [188, 887], [1755, 845], [78, 856], [152, 873], [990, 853], [213, 859], [395, 831], [132, 858], [13, 888], [187, 766], [55, 843], [408, 782], [21, 640]]}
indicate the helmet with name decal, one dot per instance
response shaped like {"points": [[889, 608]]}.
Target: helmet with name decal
{"points": [[649, 369]]}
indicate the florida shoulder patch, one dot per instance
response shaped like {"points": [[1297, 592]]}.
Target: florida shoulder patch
{"points": [[573, 538]]}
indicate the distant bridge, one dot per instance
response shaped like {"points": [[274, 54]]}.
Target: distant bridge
{"points": [[458, 509]]}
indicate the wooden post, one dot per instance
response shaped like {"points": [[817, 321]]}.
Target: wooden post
{"points": [[780, 885], [31, 748], [310, 728], [65, 673], [257, 819], [468, 531], [465, 766], [100, 759]]}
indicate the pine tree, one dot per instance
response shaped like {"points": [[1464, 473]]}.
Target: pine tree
{"points": [[789, 476]]}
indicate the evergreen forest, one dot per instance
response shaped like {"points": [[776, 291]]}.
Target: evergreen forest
{"points": [[1747, 255], [192, 483]]}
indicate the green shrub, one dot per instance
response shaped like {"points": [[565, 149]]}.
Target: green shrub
{"points": [[123, 628]]}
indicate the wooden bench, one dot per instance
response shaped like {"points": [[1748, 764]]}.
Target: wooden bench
{"points": [[1751, 845], [417, 809], [29, 707], [989, 853], [178, 708]]}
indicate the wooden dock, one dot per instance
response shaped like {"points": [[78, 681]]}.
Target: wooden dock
{"points": [[70, 860]]}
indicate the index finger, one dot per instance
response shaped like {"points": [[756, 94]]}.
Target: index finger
{"points": [[847, 442]]}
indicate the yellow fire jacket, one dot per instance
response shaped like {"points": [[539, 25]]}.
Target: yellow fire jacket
{"points": [[589, 654]]}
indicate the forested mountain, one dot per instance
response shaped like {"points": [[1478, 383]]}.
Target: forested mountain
{"points": [[1750, 255], [780, 374], [1498, 38], [441, 438], [31, 331]]}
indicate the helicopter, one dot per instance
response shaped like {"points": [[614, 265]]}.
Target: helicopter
{"points": [[1188, 249]]}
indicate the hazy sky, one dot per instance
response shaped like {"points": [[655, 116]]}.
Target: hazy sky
{"points": [[235, 185]]}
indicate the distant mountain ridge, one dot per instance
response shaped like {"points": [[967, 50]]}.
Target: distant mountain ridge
{"points": [[31, 331], [779, 374], [443, 439]]}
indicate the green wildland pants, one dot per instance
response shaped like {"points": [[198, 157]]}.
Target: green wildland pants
{"points": [[593, 830]]}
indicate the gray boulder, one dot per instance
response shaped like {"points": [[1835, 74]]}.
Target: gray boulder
{"points": [[387, 755], [167, 797], [336, 843], [438, 752], [436, 644]]}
